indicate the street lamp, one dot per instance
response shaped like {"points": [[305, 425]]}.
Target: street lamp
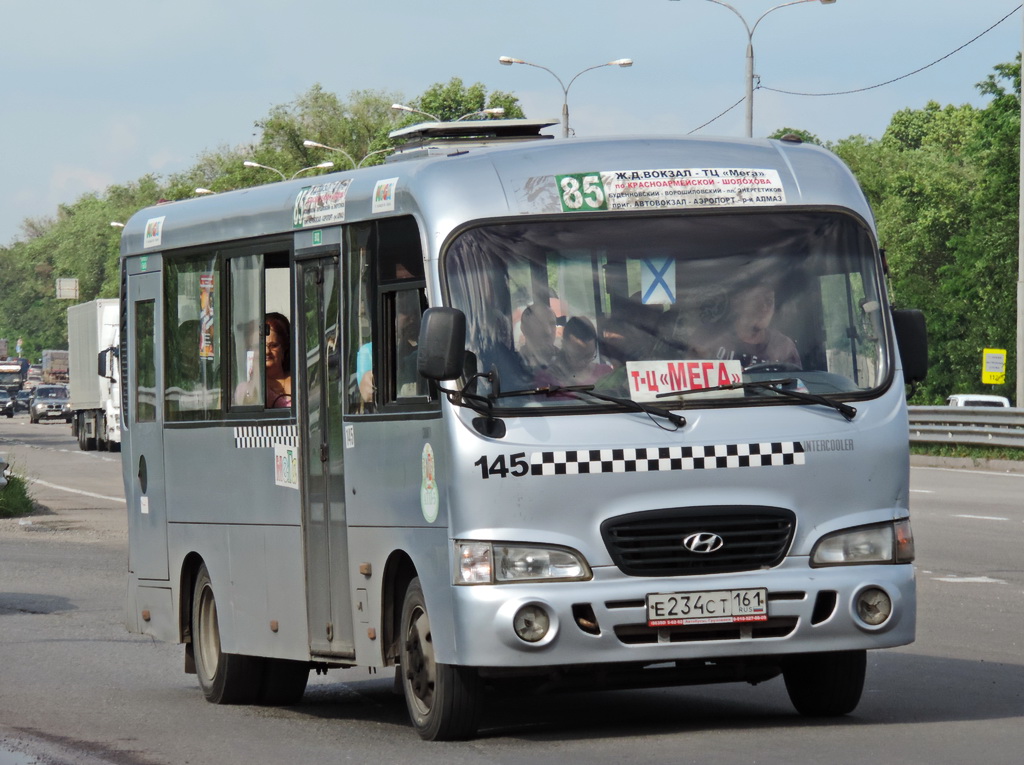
{"points": [[317, 145], [623, 62], [249, 163], [321, 166], [372, 153], [496, 111], [750, 50], [116, 224]]}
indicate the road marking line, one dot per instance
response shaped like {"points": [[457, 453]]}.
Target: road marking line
{"points": [[982, 517], [969, 580], [49, 485], [921, 491]]}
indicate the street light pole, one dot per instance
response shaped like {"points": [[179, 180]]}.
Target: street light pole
{"points": [[750, 51], [250, 163], [496, 111], [321, 166], [342, 152], [621, 62]]}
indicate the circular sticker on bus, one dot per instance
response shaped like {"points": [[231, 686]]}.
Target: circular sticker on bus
{"points": [[429, 498]]}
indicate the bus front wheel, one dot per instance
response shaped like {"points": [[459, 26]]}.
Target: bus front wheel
{"points": [[825, 684], [443, 700], [224, 678]]}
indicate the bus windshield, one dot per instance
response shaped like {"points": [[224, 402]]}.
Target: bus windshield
{"points": [[693, 306]]}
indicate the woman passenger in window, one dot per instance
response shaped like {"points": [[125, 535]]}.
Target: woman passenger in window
{"points": [[279, 361]]}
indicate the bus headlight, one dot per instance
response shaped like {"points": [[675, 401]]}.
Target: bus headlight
{"points": [[883, 543], [499, 563]]}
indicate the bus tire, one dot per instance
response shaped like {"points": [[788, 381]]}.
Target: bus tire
{"points": [[825, 684], [284, 682], [443, 700], [223, 677]]}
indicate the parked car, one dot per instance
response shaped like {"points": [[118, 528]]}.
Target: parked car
{"points": [[6, 404], [50, 402], [976, 399], [21, 400]]}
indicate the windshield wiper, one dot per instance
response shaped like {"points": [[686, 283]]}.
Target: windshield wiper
{"points": [[554, 390], [775, 386]]}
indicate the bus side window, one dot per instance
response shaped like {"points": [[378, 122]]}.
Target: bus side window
{"points": [[247, 340], [259, 286], [401, 280], [194, 312], [407, 308], [360, 308]]}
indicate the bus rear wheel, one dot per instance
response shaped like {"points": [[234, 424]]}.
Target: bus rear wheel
{"points": [[443, 700], [825, 684], [223, 677]]}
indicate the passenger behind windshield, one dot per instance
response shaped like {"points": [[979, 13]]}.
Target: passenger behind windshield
{"points": [[747, 334], [539, 328], [575, 363]]}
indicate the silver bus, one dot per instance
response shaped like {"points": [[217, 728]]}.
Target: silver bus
{"points": [[571, 414]]}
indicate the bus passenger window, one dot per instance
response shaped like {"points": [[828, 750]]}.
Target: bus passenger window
{"points": [[247, 332], [194, 313], [408, 313], [359, 311], [145, 361]]}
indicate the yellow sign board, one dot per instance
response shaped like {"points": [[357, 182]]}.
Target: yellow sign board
{"points": [[993, 367]]}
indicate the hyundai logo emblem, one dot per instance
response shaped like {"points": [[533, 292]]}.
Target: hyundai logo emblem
{"points": [[703, 542]]}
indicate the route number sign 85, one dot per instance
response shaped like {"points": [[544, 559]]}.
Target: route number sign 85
{"points": [[581, 192]]}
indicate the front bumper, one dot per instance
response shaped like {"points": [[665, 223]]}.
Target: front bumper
{"points": [[603, 621]]}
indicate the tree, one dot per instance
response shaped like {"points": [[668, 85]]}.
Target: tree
{"points": [[943, 185]]}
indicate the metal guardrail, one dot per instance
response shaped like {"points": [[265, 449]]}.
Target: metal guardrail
{"points": [[970, 425]]}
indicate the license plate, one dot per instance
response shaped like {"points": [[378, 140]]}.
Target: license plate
{"points": [[671, 609]]}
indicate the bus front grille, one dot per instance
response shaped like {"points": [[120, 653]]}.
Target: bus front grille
{"points": [[699, 540]]}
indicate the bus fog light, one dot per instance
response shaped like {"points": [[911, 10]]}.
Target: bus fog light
{"points": [[531, 623], [874, 606]]}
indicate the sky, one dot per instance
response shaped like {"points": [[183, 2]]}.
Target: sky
{"points": [[103, 92]]}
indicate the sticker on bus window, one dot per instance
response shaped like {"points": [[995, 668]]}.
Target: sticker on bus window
{"points": [[655, 189], [649, 378], [429, 496]]}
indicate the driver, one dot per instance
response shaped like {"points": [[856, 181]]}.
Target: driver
{"points": [[748, 334]]}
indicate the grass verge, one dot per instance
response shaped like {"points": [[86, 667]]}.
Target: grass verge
{"points": [[970, 452], [14, 498]]}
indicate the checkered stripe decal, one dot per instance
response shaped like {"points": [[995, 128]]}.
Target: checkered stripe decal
{"points": [[265, 436], [667, 458]]}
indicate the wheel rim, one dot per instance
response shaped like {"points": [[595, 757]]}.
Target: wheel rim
{"points": [[421, 669], [207, 635]]}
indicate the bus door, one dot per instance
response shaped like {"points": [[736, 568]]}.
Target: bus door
{"points": [[147, 557], [322, 455]]}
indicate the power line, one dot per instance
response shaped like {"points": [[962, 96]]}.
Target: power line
{"points": [[870, 87], [720, 115], [902, 77]]}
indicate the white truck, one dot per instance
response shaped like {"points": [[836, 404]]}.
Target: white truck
{"points": [[93, 338]]}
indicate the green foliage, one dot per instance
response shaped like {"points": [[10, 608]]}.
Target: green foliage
{"points": [[943, 184], [452, 100], [79, 242], [15, 499], [804, 135], [977, 453]]}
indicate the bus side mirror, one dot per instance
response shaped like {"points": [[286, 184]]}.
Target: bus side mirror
{"points": [[442, 344], [912, 341]]}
